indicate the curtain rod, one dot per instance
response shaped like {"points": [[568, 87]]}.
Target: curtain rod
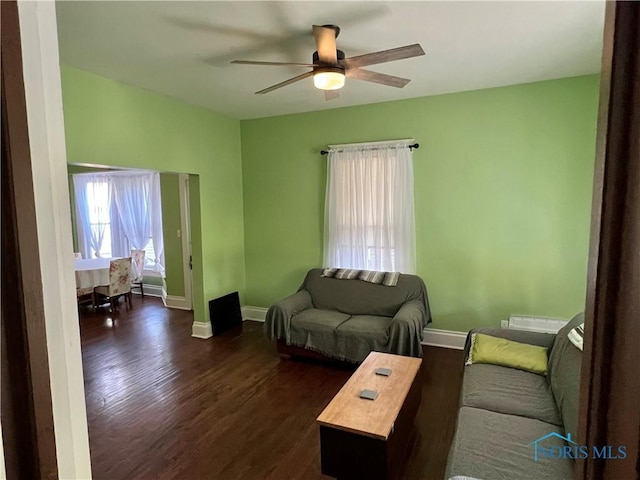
{"points": [[410, 147], [129, 172]]}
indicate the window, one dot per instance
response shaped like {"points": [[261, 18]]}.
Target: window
{"points": [[120, 211], [369, 219], [99, 202], [149, 255]]}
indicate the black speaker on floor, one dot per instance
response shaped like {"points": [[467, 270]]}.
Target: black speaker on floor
{"points": [[224, 313]]}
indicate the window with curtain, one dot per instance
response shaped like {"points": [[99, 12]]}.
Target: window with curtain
{"points": [[120, 211], [369, 211]]}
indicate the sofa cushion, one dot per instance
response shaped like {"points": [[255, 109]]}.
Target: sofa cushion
{"points": [[367, 326], [318, 320], [496, 446], [565, 363], [510, 391]]}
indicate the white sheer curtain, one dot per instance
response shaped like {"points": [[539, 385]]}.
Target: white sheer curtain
{"points": [[93, 201], [157, 236], [120, 246], [123, 209], [131, 196], [369, 213], [139, 211]]}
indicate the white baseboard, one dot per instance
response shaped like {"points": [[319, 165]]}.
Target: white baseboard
{"points": [[435, 337], [201, 330], [257, 314], [151, 290], [173, 301]]}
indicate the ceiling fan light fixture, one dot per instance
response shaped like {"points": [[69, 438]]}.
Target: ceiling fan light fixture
{"points": [[328, 78]]}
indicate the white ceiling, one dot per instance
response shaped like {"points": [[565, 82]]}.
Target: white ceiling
{"points": [[183, 49]]}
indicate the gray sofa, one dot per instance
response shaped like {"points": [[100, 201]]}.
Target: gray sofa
{"points": [[504, 410], [347, 319]]}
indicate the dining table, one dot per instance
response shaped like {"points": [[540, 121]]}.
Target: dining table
{"points": [[92, 272]]}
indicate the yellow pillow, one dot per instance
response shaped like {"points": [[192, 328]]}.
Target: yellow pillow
{"points": [[507, 353]]}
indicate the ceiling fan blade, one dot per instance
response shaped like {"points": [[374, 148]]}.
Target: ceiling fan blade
{"points": [[275, 64], [285, 83], [384, 56], [325, 44], [331, 94], [376, 77]]}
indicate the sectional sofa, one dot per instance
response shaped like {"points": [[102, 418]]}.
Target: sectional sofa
{"points": [[509, 418]]}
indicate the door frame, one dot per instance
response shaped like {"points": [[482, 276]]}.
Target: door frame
{"points": [[46, 262], [185, 225], [26, 411], [610, 384]]}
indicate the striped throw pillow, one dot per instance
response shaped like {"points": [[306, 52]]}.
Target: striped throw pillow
{"points": [[391, 279], [388, 279], [347, 273], [576, 336], [371, 276], [329, 272]]}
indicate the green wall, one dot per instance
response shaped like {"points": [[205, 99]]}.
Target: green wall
{"points": [[109, 123], [502, 180], [503, 183], [171, 223]]}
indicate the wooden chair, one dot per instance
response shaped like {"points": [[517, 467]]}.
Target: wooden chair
{"points": [[137, 276], [119, 282], [86, 295]]}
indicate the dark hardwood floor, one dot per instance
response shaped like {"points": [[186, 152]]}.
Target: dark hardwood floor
{"points": [[161, 404]]}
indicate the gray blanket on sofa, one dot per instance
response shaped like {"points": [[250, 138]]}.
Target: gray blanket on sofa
{"points": [[347, 319]]}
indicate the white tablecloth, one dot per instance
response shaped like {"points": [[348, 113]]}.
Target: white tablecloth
{"points": [[92, 272]]}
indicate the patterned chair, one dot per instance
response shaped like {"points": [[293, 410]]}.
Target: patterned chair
{"points": [[119, 282], [137, 276], [85, 295], [77, 256]]}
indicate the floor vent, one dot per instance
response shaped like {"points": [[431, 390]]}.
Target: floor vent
{"points": [[224, 313]]}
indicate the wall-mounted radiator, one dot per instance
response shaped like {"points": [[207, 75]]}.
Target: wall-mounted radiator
{"points": [[534, 324]]}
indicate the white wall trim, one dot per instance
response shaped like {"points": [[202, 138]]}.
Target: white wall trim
{"points": [[149, 289], [185, 234], [43, 94], [436, 337], [173, 301], [201, 330], [257, 314], [151, 273]]}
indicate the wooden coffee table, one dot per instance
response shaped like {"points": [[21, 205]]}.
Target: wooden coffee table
{"points": [[367, 438]]}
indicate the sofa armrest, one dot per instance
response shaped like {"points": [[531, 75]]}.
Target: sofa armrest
{"points": [[405, 331], [278, 320], [294, 304], [532, 338], [411, 313]]}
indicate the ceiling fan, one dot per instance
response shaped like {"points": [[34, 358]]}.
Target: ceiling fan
{"points": [[330, 67]]}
